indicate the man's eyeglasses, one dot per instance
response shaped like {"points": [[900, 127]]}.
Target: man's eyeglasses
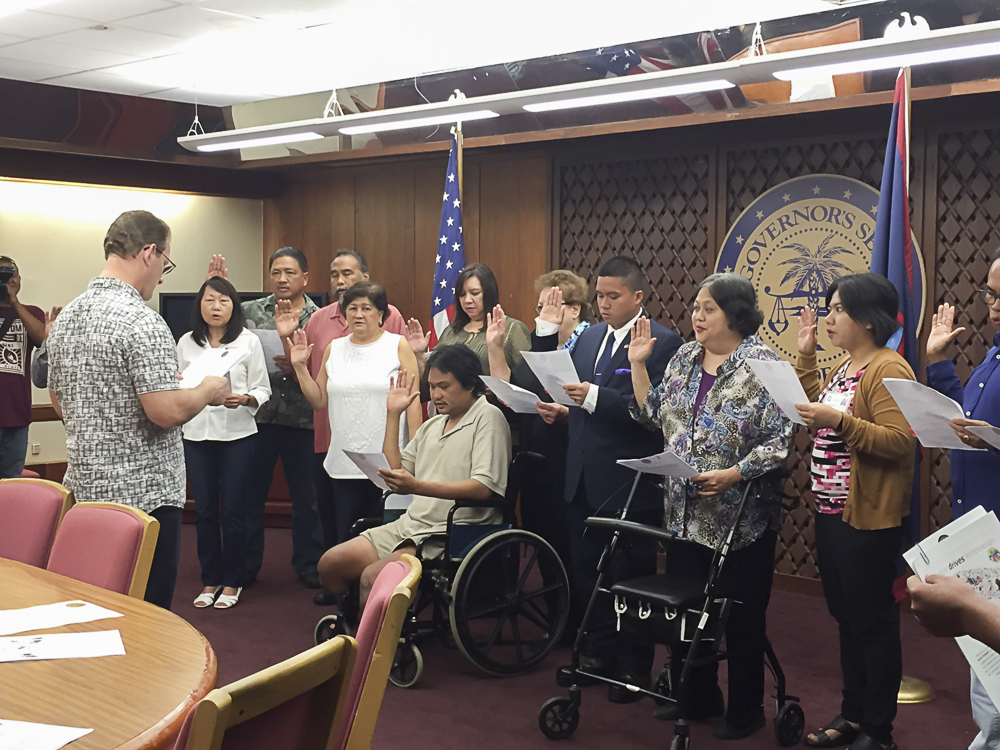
{"points": [[168, 265], [989, 296]]}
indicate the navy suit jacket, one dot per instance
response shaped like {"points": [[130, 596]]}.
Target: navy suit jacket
{"points": [[598, 440]]}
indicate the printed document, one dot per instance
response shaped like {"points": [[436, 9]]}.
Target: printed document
{"points": [[928, 413], [370, 463], [666, 464], [61, 646], [270, 341], [517, 399], [45, 616], [782, 383], [213, 362], [26, 735], [554, 370]]}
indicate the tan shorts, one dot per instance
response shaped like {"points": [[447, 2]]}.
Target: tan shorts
{"points": [[388, 538]]}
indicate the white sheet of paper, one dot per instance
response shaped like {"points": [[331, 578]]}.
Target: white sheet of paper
{"points": [[928, 413], [61, 646], [666, 464], [782, 383], [398, 502], [212, 362], [45, 616], [554, 370], [26, 735], [519, 400], [989, 433], [270, 341], [370, 463]]}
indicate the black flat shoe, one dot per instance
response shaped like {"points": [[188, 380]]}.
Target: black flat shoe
{"points": [[704, 709], [325, 598], [621, 694], [847, 734], [723, 730], [310, 580]]}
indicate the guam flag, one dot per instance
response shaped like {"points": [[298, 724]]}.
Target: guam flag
{"points": [[894, 257], [450, 251]]}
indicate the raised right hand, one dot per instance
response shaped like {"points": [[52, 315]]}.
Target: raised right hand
{"points": [[300, 349], [418, 340], [286, 322], [401, 392], [943, 332], [807, 331], [496, 327], [50, 318], [217, 389], [217, 267], [552, 307], [640, 346]]}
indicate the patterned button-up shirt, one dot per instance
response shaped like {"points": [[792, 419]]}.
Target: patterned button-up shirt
{"points": [[287, 406], [106, 349], [738, 425]]}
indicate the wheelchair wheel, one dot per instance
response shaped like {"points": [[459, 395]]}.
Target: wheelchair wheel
{"points": [[558, 718], [407, 666], [680, 742], [510, 601], [789, 724], [327, 628]]}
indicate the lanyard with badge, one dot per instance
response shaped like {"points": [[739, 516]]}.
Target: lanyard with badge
{"points": [[839, 400]]}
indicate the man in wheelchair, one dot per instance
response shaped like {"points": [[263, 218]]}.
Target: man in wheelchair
{"points": [[462, 453]]}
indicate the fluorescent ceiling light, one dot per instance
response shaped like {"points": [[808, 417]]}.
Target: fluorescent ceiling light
{"points": [[629, 96], [419, 122], [901, 60], [273, 140]]}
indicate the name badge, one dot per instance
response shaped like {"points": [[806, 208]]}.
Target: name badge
{"points": [[839, 401]]}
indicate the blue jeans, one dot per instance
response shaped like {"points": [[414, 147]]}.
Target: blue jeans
{"points": [[13, 448], [219, 472], [295, 447]]}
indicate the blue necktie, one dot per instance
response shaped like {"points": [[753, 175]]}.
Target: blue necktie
{"points": [[605, 359]]}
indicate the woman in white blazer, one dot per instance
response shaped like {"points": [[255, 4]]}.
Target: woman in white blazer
{"points": [[219, 441]]}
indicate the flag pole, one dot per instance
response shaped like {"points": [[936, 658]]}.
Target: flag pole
{"points": [[460, 151]]}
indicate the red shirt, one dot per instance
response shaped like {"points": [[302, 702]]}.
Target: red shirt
{"points": [[15, 365], [325, 325]]}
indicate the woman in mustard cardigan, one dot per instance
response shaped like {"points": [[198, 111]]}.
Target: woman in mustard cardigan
{"points": [[862, 475]]}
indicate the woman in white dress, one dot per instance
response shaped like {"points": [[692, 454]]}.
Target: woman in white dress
{"points": [[219, 441], [352, 384]]}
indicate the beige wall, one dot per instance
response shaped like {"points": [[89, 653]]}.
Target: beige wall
{"points": [[55, 234]]}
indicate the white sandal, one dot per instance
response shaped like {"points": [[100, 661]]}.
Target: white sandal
{"points": [[225, 601], [207, 599]]}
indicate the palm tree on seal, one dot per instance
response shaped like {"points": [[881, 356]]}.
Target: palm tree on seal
{"points": [[812, 271]]}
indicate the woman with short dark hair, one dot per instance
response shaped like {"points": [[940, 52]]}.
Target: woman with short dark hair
{"points": [[352, 384], [717, 416], [862, 474], [219, 442]]}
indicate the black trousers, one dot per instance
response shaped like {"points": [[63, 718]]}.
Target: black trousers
{"points": [[858, 568], [325, 503], [543, 512], [166, 557], [746, 578], [631, 651], [354, 499]]}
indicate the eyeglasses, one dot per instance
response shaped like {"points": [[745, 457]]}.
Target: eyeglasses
{"points": [[168, 265], [989, 296]]}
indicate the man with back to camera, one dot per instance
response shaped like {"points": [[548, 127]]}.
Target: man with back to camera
{"points": [[22, 328], [113, 378], [347, 268], [601, 431], [285, 423]]}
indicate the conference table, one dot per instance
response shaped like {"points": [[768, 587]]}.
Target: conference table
{"points": [[134, 701]]}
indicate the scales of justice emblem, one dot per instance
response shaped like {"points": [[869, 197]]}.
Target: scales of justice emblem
{"points": [[793, 241]]}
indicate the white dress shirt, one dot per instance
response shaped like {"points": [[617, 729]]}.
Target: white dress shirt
{"points": [[545, 328], [248, 377]]}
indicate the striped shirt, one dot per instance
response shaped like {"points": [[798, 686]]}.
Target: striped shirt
{"points": [[831, 456]]}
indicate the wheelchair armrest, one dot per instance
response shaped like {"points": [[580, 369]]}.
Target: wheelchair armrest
{"points": [[631, 528]]}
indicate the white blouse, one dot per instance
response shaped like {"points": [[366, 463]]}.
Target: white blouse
{"points": [[248, 377]]}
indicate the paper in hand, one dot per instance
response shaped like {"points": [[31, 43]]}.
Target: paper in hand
{"points": [[989, 433], [370, 463], [666, 464], [518, 400], [212, 363], [270, 342], [27, 735], [928, 413], [782, 384], [45, 616], [61, 646], [554, 370]]}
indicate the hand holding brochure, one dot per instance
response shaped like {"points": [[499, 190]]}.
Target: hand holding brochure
{"points": [[554, 370], [666, 464], [928, 413], [782, 384]]}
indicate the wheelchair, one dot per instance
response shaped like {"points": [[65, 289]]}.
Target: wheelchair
{"points": [[669, 609], [498, 593]]}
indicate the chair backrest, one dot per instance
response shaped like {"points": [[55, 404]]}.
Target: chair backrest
{"points": [[107, 545], [378, 635], [31, 510], [294, 705]]}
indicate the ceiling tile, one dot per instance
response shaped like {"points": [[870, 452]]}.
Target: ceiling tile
{"points": [[6, 39], [20, 70], [191, 22], [209, 100], [65, 55], [105, 11], [96, 80], [35, 24], [122, 40]]}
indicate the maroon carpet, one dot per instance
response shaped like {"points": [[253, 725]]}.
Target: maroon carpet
{"points": [[456, 706]]}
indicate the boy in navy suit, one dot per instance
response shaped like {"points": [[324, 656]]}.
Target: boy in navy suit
{"points": [[601, 431]]}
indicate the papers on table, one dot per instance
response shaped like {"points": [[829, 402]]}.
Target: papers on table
{"points": [[212, 362], [968, 548], [554, 370], [782, 383], [519, 400], [270, 341], [61, 646], [666, 464], [26, 735], [370, 463], [46, 616], [928, 413]]}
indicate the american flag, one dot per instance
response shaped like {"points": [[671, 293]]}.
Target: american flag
{"points": [[450, 251]]}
